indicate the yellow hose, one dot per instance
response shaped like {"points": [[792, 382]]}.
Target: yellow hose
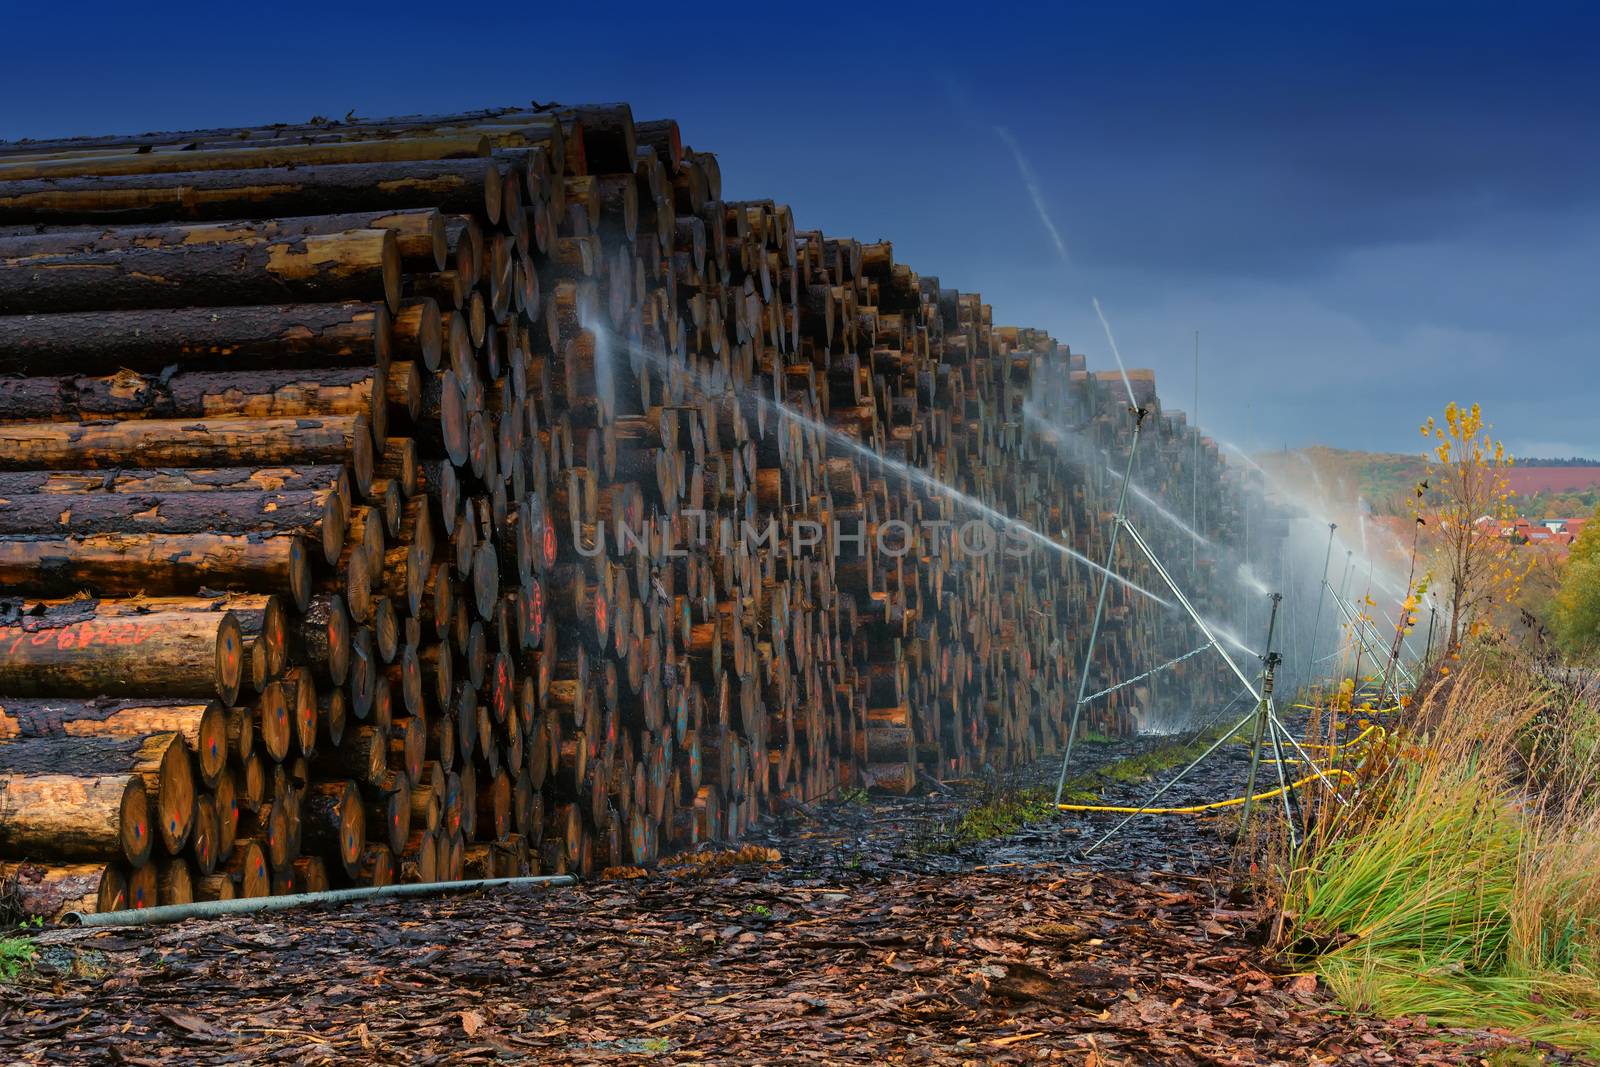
{"points": [[1372, 728], [1197, 809]]}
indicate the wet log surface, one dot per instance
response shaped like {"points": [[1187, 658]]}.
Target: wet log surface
{"points": [[863, 942]]}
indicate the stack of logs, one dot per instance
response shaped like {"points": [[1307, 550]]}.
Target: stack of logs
{"points": [[438, 497]]}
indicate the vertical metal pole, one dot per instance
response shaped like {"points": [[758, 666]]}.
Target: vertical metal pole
{"points": [[1344, 589], [1271, 660], [1316, 622], [1433, 616], [1100, 601], [1194, 506], [1245, 625], [1277, 732], [1286, 563]]}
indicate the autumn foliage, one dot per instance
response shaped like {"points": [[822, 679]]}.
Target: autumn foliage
{"points": [[1467, 479]]}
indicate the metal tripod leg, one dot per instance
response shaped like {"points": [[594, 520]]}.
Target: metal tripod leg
{"points": [[1100, 602], [1263, 713], [1177, 593], [1283, 781], [1181, 775]]}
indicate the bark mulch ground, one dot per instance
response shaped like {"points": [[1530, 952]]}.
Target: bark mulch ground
{"points": [[873, 939]]}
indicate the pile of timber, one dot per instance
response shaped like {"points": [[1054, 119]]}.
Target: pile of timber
{"points": [[435, 497]]}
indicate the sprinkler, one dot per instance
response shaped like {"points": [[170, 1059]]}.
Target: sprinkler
{"points": [[1270, 661]]}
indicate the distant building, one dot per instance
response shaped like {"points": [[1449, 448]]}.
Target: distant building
{"points": [[1545, 534]]}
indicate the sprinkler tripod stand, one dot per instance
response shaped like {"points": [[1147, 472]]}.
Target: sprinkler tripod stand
{"points": [[1263, 712], [1265, 722], [1270, 661], [1263, 709], [1138, 415]]}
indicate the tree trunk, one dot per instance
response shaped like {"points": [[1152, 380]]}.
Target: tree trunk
{"points": [[174, 882], [247, 869], [262, 394], [64, 817], [419, 858], [236, 338], [454, 186], [204, 727], [535, 126], [173, 653], [348, 265], [160, 760], [237, 159], [194, 443], [336, 823], [179, 564], [420, 233], [203, 842], [180, 480], [317, 513], [389, 813], [215, 886], [321, 638], [52, 892]]}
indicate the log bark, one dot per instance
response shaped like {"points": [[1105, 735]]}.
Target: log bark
{"points": [[94, 652], [348, 265], [52, 892], [204, 726], [535, 126], [321, 638], [454, 186], [419, 232], [236, 338], [71, 818], [155, 563], [197, 395], [196, 443], [160, 760], [180, 480], [335, 824], [318, 514], [234, 159]]}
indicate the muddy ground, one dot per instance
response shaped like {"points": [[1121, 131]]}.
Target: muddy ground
{"points": [[887, 932]]}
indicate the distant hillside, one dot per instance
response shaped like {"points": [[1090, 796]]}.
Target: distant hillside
{"points": [[1383, 480], [1562, 488]]}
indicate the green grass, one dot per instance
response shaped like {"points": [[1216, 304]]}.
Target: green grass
{"points": [[1141, 766], [1003, 815], [1464, 887], [16, 956], [1000, 813]]}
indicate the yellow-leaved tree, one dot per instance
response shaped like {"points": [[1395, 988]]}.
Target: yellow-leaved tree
{"points": [[1577, 607], [1472, 501]]}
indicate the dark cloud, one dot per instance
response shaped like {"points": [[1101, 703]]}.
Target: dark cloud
{"points": [[1365, 208]]}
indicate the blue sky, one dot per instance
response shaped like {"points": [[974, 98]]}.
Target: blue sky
{"points": [[1366, 210]]}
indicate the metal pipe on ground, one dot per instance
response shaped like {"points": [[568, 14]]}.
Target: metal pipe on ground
{"points": [[210, 909]]}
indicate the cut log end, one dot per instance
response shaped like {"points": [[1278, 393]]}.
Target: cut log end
{"points": [[230, 658]]}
